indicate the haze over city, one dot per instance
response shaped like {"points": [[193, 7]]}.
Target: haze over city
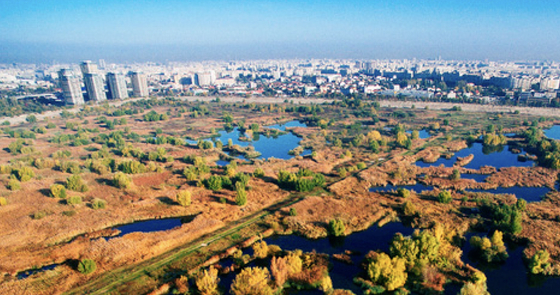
{"points": [[139, 31]]}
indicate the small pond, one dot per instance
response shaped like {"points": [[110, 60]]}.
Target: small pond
{"points": [[499, 157], [422, 134], [553, 132], [153, 225], [282, 127], [529, 194], [418, 188], [476, 177], [25, 274]]}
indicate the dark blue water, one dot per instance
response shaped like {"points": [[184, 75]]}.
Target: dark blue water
{"points": [[222, 162], [529, 194], [30, 272], [290, 124], [476, 177], [482, 157], [553, 132], [511, 277], [416, 187], [342, 274], [268, 146], [149, 226]]}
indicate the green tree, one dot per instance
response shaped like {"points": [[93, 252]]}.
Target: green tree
{"points": [[98, 203], [58, 191], [387, 272], [74, 200], [24, 174], [207, 282], [241, 197], [336, 227], [184, 198], [121, 180], [445, 197], [75, 183], [87, 266], [539, 262], [260, 249], [13, 184], [252, 281]]}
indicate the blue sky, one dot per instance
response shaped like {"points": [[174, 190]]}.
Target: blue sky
{"points": [[181, 30]]}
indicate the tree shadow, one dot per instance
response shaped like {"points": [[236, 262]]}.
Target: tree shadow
{"points": [[167, 200]]}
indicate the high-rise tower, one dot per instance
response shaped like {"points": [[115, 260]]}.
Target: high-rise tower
{"points": [[71, 88], [117, 86], [94, 87], [139, 85]]}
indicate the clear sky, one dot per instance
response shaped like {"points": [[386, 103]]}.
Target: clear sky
{"points": [[139, 30]]}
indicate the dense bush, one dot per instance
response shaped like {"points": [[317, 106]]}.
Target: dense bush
{"points": [[13, 184], [241, 197], [132, 167], [214, 183], [303, 181], [98, 204], [3, 201], [75, 183], [58, 191], [121, 180], [87, 266], [444, 197], [74, 200], [184, 198], [336, 227], [491, 250], [24, 174]]}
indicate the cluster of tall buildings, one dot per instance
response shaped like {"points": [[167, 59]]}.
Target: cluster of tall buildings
{"points": [[95, 84]]}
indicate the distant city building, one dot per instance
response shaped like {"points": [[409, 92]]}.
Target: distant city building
{"points": [[203, 79], [71, 87], [117, 86], [95, 87], [139, 85], [88, 67]]}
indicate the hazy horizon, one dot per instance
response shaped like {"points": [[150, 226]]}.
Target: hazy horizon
{"points": [[140, 31]]}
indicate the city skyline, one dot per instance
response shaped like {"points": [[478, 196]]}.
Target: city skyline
{"points": [[139, 31]]}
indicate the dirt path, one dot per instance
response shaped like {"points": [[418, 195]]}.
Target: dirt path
{"points": [[546, 112]]}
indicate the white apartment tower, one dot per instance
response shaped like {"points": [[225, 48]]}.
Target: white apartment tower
{"points": [[117, 86], [71, 87], [94, 87], [88, 67], [139, 85]]}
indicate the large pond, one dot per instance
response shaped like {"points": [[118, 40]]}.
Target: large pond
{"points": [[507, 278], [277, 147], [510, 277], [529, 194], [498, 158], [553, 132], [342, 274]]}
